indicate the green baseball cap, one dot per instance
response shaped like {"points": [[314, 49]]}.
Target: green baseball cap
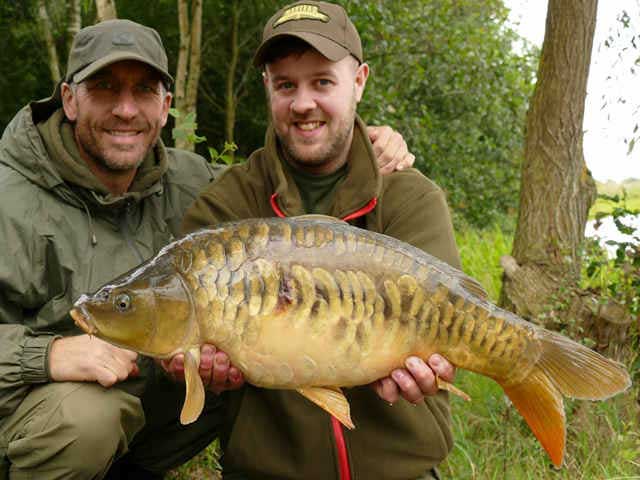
{"points": [[323, 25], [100, 45]]}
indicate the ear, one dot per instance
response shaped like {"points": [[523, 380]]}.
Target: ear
{"points": [[166, 105], [362, 73], [69, 102]]}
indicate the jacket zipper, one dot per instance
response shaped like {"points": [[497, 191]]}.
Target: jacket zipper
{"points": [[344, 468], [126, 232]]}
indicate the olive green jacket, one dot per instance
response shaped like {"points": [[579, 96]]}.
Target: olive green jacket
{"points": [[59, 240], [278, 434]]}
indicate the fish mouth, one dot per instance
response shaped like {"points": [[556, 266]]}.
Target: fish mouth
{"points": [[80, 318]]}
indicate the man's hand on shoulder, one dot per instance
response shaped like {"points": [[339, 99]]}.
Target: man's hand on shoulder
{"points": [[83, 358], [416, 380], [390, 149], [216, 371]]}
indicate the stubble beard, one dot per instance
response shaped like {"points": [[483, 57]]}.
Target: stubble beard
{"points": [[117, 159], [329, 151]]}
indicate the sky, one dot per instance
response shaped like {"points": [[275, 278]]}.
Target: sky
{"points": [[612, 107]]}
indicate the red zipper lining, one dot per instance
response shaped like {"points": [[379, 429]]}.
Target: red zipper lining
{"points": [[341, 446], [344, 468], [358, 213]]}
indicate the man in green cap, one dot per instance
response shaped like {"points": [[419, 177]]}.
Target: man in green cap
{"points": [[317, 160], [87, 192]]}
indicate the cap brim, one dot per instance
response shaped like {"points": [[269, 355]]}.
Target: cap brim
{"points": [[327, 47], [117, 57]]}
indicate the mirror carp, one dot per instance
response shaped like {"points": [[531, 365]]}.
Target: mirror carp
{"points": [[313, 304]]}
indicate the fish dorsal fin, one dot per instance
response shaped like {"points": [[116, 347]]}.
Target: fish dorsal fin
{"points": [[331, 400], [317, 216], [472, 286], [194, 392]]}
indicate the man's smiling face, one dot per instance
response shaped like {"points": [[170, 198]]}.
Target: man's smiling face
{"points": [[118, 114], [312, 104]]}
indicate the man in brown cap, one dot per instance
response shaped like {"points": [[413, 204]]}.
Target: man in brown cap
{"points": [[317, 159], [87, 192]]}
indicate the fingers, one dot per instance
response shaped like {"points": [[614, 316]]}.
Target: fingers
{"points": [[417, 380], [225, 375], [387, 389], [442, 367], [390, 149]]}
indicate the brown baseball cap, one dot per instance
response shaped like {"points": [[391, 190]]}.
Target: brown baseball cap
{"points": [[323, 25], [100, 45]]}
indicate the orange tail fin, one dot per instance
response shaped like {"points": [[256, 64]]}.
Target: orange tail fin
{"points": [[540, 403], [565, 368]]}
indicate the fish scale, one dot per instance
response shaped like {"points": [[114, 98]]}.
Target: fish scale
{"points": [[313, 305]]}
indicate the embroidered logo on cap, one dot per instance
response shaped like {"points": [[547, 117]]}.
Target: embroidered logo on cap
{"points": [[123, 39], [301, 12]]}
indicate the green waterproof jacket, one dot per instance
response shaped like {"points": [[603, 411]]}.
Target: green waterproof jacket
{"points": [[278, 434], [58, 240]]}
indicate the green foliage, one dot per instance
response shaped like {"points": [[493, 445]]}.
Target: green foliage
{"points": [[186, 130], [445, 76]]}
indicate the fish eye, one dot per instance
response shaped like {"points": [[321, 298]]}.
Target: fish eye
{"points": [[122, 302]]}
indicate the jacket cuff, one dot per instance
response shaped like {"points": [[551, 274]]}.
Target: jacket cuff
{"points": [[35, 358]]}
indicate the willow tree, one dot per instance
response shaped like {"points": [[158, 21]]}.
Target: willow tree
{"points": [[542, 276]]}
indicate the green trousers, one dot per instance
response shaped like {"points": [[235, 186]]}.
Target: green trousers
{"points": [[73, 430]]}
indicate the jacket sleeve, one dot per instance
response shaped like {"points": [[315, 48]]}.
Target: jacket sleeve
{"points": [[234, 195], [23, 351], [415, 210]]}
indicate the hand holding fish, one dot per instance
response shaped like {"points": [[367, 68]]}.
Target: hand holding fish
{"points": [[84, 358], [216, 371], [417, 380]]}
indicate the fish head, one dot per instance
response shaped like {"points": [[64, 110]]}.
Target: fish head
{"points": [[149, 311]]}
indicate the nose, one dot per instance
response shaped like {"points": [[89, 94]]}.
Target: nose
{"points": [[126, 106], [303, 101]]}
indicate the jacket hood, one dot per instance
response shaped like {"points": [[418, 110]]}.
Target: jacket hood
{"points": [[22, 149]]}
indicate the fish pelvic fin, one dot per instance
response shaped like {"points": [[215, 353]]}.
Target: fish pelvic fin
{"points": [[194, 391], [540, 403], [579, 372], [332, 400]]}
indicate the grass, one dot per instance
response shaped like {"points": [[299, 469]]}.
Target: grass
{"points": [[611, 189], [492, 440]]}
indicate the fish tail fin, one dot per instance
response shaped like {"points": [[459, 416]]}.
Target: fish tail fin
{"points": [[540, 403], [579, 372], [565, 368]]}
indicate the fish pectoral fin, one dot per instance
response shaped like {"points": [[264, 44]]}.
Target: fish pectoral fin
{"points": [[451, 388], [194, 392], [332, 400], [540, 403]]}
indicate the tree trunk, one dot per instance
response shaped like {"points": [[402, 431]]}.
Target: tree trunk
{"points": [[75, 21], [106, 10], [231, 100], [183, 54], [45, 27], [188, 73], [542, 278]]}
